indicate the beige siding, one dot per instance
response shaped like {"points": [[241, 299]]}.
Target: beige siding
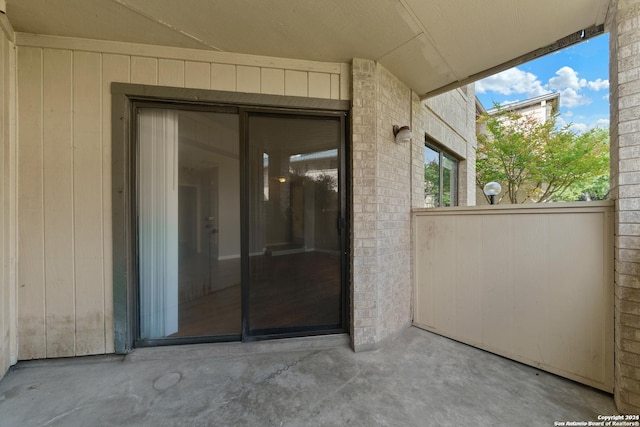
{"points": [[171, 72], [7, 204], [272, 81], [533, 284], [87, 201], [295, 83], [319, 85], [248, 79], [5, 299], [198, 75], [64, 167], [57, 186], [115, 68], [223, 77], [31, 277]]}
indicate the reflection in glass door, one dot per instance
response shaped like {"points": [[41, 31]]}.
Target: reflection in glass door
{"points": [[212, 268], [188, 247], [294, 269]]}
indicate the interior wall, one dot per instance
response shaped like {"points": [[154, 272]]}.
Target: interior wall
{"points": [[229, 210], [221, 133], [8, 340], [64, 168]]}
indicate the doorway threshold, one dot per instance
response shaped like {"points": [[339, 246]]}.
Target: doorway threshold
{"points": [[198, 351]]}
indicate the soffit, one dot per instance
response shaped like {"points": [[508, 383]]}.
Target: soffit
{"points": [[427, 44]]}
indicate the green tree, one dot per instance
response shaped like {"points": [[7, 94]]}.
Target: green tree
{"points": [[593, 189], [536, 162], [432, 183]]}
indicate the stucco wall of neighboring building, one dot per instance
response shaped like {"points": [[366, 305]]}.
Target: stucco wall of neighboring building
{"points": [[388, 182]]}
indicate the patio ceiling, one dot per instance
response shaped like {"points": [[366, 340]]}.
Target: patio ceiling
{"points": [[431, 45]]}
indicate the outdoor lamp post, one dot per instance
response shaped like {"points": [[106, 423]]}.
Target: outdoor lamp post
{"points": [[492, 189]]}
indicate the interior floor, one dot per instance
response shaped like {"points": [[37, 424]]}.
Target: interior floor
{"points": [[287, 291]]}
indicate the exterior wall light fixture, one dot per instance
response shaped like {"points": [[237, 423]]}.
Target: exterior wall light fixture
{"points": [[403, 134], [492, 189]]}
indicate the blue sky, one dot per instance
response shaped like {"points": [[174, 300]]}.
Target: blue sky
{"points": [[580, 73]]}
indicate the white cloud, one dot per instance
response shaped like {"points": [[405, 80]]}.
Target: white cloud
{"points": [[581, 127], [568, 114], [566, 82], [598, 84], [606, 97], [512, 81], [569, 98], [561, 122], [567, 77], [578, 127]]}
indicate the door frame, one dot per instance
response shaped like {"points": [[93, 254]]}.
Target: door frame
{"points": [[343, 221], [125, 99]]}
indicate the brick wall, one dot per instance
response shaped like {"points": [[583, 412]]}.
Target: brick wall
{"points": [[387, 182], [393, 187], [624, 76], [364, 205], [450, 120], [381, 230]]}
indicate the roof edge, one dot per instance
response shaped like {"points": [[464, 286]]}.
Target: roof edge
{"points": [[571, 39]]}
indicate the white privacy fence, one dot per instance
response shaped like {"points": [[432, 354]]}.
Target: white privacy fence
{"points": [[533, 283]]}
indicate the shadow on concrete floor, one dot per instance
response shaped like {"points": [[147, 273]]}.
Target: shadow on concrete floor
{"points": [[420, 379]]}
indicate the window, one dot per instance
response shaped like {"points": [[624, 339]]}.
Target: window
{"points": [[440, 178]]}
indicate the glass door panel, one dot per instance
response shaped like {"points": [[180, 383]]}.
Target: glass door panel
{"points": [[188, 224], [294, 278]]}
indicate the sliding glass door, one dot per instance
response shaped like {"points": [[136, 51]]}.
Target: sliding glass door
{"points": [[240, 228], [295, 236], [189, 224]]}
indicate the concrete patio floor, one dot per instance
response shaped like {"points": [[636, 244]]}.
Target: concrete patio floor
{"points": [[419, 379]]}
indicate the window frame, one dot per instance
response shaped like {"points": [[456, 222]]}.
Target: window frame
{"points": [[125, 98], [442, 154]]}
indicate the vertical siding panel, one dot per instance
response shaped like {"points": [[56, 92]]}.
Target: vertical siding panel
{"points": [[319, 85], [31, 293], [4, 172], [144, 70], [11, 165], [295, 83], [223, 77], [248, 79], [58, 203], [497, 325], [466, 307], [197, 75], [87, 203], [115, 68], [345, 81], [171, 73], [272, 81], [335, 86]]}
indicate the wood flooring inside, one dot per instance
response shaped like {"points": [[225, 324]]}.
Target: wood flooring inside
{"points": [[287, 291]]}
